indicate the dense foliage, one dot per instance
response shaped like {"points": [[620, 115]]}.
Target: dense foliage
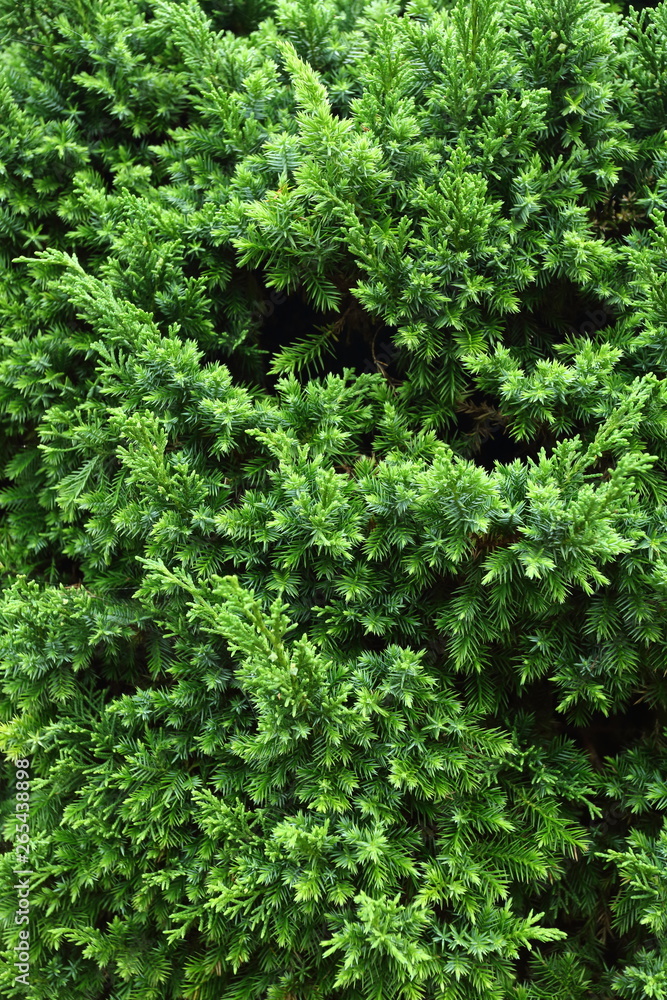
{"points": [[333, 545]]}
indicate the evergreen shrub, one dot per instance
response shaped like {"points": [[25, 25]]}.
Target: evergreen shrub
{"points": [[333, 545]]}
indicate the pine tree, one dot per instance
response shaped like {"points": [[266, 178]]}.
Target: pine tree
{"points": [[333, 549]]}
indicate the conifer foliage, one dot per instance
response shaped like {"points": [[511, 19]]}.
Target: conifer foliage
{"points": [[333, 531]]}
